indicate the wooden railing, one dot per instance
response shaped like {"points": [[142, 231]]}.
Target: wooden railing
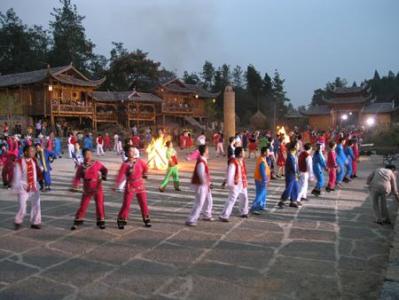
{"points": [[67, 108], [134, 115], [109, 116], [177, 109]]}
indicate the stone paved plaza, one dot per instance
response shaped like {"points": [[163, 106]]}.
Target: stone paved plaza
{"points": [[328, 249]]}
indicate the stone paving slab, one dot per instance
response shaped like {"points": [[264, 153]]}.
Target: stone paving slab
{"points": [[328, 249]]}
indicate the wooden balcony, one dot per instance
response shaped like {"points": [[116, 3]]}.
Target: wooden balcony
{"points": [[176, 109], [68, 109], [109, 116], [141, 115]]}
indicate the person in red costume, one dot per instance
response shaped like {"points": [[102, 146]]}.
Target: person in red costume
{"points": [[107, 142], [134, 171], [91, 172], [355, 161], [332, 167], [136, 141]]}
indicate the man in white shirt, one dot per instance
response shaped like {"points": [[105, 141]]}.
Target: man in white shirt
{"points": [[306, 172], [237, 183], [201, 182], [201, 139]]}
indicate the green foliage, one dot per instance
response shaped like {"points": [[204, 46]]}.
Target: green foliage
{"points": [[383, 89], [208, 74], [128, 70], [191, 78], [22, 48], [69, 42]]}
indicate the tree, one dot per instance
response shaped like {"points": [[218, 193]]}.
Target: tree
{"points": [[21, 48], [98, 66], [128, 70], [191, 78], [376, 75], [254, 82], [226, 74], [208, 74], [318, 96], [338, 83], [69, 44], [279, 95], [237, 77]]}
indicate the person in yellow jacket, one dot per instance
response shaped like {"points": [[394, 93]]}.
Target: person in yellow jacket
{"points": [[262, 177]]}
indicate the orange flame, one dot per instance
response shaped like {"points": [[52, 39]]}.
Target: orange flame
{"points": [[156, 151], [281, 131]]}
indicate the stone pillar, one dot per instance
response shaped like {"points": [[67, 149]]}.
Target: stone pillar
{"points": [[229, 110]]}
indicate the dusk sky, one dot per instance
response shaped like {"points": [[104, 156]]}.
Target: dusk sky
{"points": [[310, 42]]}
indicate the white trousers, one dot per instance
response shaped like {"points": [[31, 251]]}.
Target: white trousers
{"points": [[100, 150], [119, 148], [303, 185], [219, 149], [71, 149], [236, 192], [202, 204], [35, 212]]}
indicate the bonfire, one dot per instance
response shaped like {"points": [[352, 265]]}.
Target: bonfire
{"points": [[156, 152], [281, 131]]}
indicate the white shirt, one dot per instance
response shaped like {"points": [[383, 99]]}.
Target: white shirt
{"points": [[201, 172], [201, 140], [231, 171]]}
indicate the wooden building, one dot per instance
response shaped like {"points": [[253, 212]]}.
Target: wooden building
{"points": [[126, 108], [52, 93], [183, 102], [64, 93], [349, 107]]}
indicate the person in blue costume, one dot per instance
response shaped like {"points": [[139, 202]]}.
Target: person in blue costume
{"points": [[88, 142], [291, 184], [341, 160], [262, 177], [350, 157], [44, 158], [319, 165], [57, 147]]}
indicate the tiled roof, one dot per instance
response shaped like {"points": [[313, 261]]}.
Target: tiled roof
{"points": [[103, 96], [39, 75], [293, 115], [178, 86], [316, 110], [349, 90], [27, 77], [347, 100], [375, 108]]}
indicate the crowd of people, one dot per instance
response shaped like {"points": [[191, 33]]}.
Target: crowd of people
{"points": [[300, 157]]}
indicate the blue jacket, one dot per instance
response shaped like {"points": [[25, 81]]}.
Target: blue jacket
{"points": [[87, 142], [290, 166], [341, 157], [57, 145], [349, 153], [45, 163], [319, 163]]}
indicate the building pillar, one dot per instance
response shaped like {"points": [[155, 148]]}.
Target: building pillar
{"points": [[229, 112]]}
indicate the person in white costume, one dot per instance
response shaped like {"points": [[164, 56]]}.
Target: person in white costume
{"points": [[237, 183], [25, 184], [201, 182]]}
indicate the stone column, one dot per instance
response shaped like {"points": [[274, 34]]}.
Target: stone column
{"points": [[229, 110]]}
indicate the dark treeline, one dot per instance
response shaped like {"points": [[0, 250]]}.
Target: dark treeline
{"points": [[24, 48], [383, 89]]}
